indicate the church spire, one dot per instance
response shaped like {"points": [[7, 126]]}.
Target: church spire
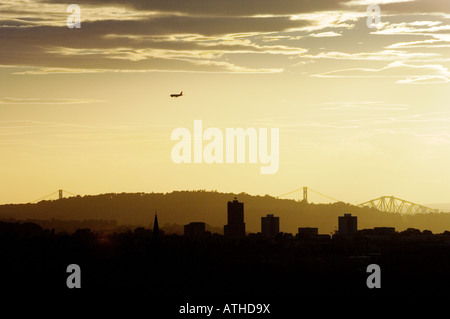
{"points": [[155, 225]]}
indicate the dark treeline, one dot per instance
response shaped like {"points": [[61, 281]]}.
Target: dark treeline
{"points": [[210, 207], [99, 226], [70, 226]]}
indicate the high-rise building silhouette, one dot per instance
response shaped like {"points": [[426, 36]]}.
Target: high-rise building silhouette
{"points": [[270, 226], [155, 226], [347, 224], [236, 226], [195, 230]]}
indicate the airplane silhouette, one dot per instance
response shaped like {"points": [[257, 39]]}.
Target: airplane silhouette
{"points": [[176, 95]]}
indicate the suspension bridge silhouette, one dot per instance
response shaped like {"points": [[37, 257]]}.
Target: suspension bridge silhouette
{"points": [[389, 204], [60, 193]]}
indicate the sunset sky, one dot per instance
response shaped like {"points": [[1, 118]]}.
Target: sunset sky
{"points": [[362, 112]]}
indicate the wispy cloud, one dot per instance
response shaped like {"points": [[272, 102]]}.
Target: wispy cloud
{"points": [[325, 34], [9, 100], [56, 135], [409, 28], [414, 73], [365, 106], [205, 36], [436, 41], [385, 55]]}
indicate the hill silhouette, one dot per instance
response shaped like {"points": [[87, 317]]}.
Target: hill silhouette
{"points": [[183, 207]]}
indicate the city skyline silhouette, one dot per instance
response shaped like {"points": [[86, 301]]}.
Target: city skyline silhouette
{"points": [[186, 151], [216, 265]]}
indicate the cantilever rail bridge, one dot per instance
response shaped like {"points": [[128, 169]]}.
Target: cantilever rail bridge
{"points": [[396, 205]]}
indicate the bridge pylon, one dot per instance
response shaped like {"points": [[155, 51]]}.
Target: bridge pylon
{"points": [[305, 190]]}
